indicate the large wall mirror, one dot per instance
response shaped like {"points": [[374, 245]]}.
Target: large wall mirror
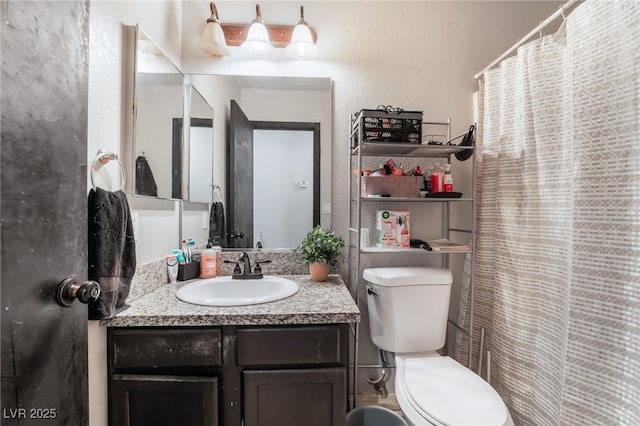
{"points": [[158, 100], [175, 162], [169, 160], [290, 161]]}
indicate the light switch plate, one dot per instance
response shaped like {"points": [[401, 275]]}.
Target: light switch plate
{"points": [[326, 208]]}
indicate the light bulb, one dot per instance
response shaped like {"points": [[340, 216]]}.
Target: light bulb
{"points": [[301, 46], [257, 43]]}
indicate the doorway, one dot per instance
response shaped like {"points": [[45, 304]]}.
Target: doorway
{"points": [[242, 163], [283, 176]]}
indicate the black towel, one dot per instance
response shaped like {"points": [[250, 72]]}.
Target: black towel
{"points": [[112, 251], [217, 232], [145, 182]]}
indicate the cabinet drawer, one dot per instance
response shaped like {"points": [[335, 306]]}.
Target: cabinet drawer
{"points": [[152, 348], [322, 345]]}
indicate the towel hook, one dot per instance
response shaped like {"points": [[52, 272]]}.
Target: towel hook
{"points": [[217, 194], [103, 157]]}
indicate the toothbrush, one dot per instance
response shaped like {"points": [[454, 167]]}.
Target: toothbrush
{"points": [[192, 248], [185, 250]]}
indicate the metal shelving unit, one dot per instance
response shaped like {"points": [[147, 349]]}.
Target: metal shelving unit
{"points": [[360, 149]]}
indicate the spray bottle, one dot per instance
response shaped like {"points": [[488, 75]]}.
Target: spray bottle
{"points": [[447, 182]]}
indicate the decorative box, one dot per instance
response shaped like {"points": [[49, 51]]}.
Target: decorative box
{"points": [[392, 228], [392, 186]]}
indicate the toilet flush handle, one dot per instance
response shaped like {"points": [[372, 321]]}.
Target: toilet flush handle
{"points": [[372, 292]]}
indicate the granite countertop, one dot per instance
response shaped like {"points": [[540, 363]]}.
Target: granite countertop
{"points": [[315, 303]]}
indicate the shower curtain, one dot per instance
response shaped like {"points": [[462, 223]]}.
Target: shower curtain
{"points": [[557, 276]]}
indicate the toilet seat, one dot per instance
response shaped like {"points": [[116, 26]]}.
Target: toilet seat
{"points": [[443, 392]]}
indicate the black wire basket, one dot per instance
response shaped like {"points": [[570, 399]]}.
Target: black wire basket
{"points": [[393, 125]]}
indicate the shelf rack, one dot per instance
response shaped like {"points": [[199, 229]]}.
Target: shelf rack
{"points": [[360, 149]]}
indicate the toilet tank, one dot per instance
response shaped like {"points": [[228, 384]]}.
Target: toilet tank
{"points": [[408, 307]]}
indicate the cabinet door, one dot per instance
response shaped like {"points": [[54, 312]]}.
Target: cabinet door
{"points": [[140, 400], [295, 397]]}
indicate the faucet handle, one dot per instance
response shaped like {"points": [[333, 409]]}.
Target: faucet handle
{"points": [[258, 269], [236, 269]]}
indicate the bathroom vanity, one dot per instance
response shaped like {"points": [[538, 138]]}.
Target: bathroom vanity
{"points": [[278, 363]]}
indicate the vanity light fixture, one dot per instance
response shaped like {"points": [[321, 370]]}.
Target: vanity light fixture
{"points": [[257, 43], [213, 41], [259, 40], [302, 45]]}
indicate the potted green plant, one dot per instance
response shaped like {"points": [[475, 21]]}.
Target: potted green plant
{"points": [[320, 249]]}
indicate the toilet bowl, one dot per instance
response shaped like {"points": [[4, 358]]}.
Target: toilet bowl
{"points": [[408, 308], [437, 390]]}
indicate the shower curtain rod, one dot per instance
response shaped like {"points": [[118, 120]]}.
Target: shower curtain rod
{"points": [[524, 39]]}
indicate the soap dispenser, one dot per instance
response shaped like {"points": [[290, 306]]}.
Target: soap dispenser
{"points": [[209, 263]]}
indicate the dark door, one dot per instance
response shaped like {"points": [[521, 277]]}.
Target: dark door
{"points": [[44, 210], [240, 178]]}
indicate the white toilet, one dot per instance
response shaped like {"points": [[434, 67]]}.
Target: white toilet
{"points": [[408, 308]]}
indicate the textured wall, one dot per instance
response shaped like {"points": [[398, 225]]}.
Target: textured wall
{"points": [[419, 54]]}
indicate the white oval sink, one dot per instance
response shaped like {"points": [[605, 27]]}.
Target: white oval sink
{"points": [[225, 291]]}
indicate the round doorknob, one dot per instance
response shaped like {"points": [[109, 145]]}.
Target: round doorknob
{"points": [[69, 290]]}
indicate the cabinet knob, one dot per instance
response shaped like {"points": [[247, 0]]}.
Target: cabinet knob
{"points": [[236, 235]]}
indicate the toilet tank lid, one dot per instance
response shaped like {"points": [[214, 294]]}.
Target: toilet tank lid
{"points": [[409, 275]]}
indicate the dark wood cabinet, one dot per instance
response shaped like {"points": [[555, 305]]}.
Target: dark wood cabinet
{"points": [[229, 375], [148, 400]]}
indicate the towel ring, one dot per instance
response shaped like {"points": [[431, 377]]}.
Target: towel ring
{"points": [[103, 157], [217, 194]]}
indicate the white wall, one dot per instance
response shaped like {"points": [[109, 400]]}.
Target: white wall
{"points": [[163, 23], [417, 55]]}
